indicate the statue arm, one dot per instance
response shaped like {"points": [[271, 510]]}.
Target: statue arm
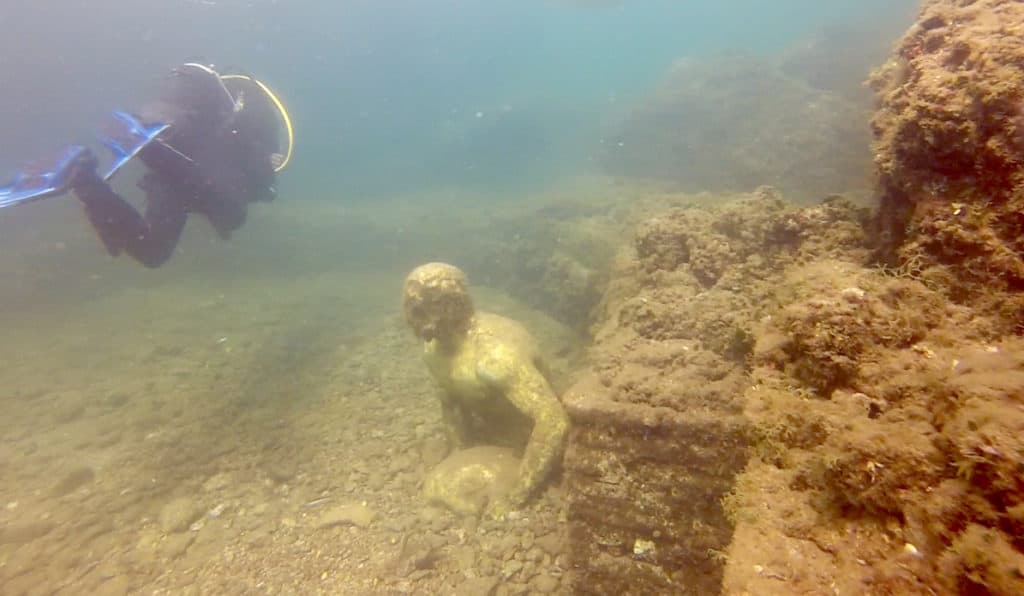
{"points": [[527, 389]]}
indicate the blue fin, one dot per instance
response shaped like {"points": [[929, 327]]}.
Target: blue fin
{"points": [[31, 186], [129, 136]]}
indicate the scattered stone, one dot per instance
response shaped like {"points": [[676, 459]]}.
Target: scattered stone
{"points": [[527, 540], [398, 524], [89, 527], [511, 568], [421, 431], [478, 586], [69, 409], [24, 532], [109, 439], [436, 518], [146, 545], [115, 586], [178, 515], [853, 295], [551, 544], [218, 481], [528, 572], [464, 557], [282, 471], [434, 450], [419, 553], [644, 550], [376, 480], [418, 575], [544, 584], [74, 479], [512, 589], [353, 514], [400, 464], [504, 546], [176, 545], [116, 400]]}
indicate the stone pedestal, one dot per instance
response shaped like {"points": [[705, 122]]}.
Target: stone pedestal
{"points": [[645, 485]]}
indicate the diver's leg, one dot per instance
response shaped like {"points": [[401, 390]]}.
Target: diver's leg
{"points": [[150, 239], [114, 219], [165, 219], [225, 215]]}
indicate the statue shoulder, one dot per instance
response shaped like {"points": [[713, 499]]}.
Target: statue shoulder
{"points": [[507, 332]]}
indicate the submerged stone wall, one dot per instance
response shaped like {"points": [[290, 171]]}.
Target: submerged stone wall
{"points": [[645, 485], [949, 141], [659, 432]]}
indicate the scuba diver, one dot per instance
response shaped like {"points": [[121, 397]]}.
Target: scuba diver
{"points": [[210, 144]]}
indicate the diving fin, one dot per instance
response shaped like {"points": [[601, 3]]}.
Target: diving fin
{"points": [[129, 136], [29, 186]]}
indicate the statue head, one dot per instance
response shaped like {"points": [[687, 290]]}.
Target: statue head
{"points": [[436, 302]]}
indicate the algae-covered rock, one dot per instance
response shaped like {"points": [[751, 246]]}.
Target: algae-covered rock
{"points": [[948, 148]]}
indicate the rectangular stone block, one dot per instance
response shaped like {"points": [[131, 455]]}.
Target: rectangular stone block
{"points": [[645, 486]]}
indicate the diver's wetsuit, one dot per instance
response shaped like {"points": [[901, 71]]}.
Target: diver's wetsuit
{"points": [[214, 159]]}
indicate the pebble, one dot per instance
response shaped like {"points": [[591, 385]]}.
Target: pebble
{"points": [[551, 544], [400, 464], [478, 586], [433, 451], [853, 295], [178, 515], [70, 408], [526, 540], [24, 532], [464, 557], [218, 481], [435, 517], [76, 478], [118, 399], [176, 545], [376, 480], [510, 568], [353, 514], [544, 584], [282, 472]]}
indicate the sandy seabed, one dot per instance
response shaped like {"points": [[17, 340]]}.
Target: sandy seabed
{"points": [[237, 433]]}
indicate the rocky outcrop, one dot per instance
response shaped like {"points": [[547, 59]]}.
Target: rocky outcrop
{"points": [[659, 432], [949, 136]]}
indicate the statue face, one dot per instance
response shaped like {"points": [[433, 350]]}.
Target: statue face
{"points": [[436, 302]]}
